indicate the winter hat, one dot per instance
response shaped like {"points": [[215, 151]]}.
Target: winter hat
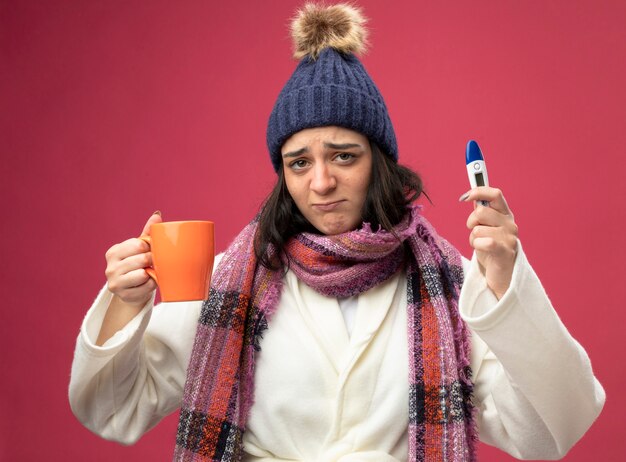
{"points": [[330, 86]]}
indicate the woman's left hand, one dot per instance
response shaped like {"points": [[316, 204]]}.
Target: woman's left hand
{"points": [[493, 236]]}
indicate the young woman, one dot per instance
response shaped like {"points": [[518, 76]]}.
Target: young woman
{"points": [[338, 323]]}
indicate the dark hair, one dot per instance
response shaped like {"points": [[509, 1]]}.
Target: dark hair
{"points": [[393, 187]]}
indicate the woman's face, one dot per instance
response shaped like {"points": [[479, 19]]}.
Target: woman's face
{"points": [[327, 172]]}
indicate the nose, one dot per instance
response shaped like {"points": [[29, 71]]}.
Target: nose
{"points": [[323, 180]]}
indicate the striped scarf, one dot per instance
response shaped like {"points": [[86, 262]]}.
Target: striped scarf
{"points": [[219, 390]]}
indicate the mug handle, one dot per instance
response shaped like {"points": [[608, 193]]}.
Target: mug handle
{"points": [[149, 270]]}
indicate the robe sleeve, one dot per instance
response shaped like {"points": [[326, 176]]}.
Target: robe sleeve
{"points": [[124, 388], [535, 390]]}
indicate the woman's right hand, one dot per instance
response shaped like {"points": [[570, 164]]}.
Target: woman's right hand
{"points": [[128, 280], [125, 273]]}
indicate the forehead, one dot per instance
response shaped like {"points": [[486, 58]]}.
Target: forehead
{"points": [[332, 134]]}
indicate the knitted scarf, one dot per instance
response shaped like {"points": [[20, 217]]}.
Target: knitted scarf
{"points": [[219, 389]]}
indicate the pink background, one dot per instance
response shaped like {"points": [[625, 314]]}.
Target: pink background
{"points": [[111, 110]]}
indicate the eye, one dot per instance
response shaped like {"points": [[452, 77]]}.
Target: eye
{"points": [[345, 157], [298, 164]]}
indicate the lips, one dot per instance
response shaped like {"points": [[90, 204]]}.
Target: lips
{"points": [[327, 206]]}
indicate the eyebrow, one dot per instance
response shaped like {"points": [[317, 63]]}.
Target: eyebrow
{"points": [[295, 153], [326, 145], [342, 146]]}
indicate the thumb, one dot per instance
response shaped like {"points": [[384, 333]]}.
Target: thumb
{"points": [[154, 218]]}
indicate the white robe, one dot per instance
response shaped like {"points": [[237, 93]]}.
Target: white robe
{"points": [[322, 394]]}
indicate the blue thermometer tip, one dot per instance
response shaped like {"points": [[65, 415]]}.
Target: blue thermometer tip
{"points": [[472, 152]]}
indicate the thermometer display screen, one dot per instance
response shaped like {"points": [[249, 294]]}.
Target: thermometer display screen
{"points": [[480, 181]]}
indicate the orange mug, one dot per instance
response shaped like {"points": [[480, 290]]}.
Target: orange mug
{"points": [[182, 259]]}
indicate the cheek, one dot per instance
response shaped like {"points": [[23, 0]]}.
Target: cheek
{"points": [[294, 188], [362, 187], [289, 184]]}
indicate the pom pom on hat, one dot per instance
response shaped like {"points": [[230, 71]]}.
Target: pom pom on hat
{"points": [[329, 86], [340, 27]]}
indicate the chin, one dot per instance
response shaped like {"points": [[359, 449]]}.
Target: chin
{"points": [[332, 229]]}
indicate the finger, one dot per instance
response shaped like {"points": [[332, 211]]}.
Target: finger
{"points": [[483, 244], [134, 262], [128, 248], [489, 217], [481, 232], [139, 293], [116, 269], [129, 280], [154, 218], [486, 193], [492, 246], [493, 240]]}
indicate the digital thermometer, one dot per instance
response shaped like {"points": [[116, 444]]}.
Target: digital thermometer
{"points": [[476, 168]]}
